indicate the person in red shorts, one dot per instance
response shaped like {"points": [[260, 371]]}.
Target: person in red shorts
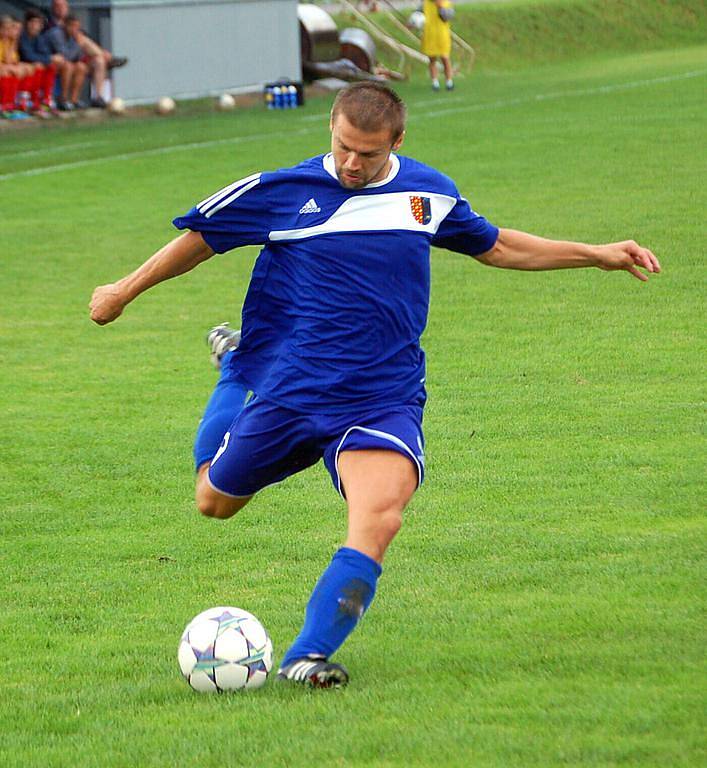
{"points": [[34, 50], [12, 74]]}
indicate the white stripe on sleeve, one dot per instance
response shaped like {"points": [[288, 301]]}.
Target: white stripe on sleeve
{"points": [[204, 205], [234, 196]]}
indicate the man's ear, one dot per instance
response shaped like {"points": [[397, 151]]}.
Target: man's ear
{"points": [[398, 142]]}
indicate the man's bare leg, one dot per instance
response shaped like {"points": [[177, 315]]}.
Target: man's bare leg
{"points": [[77, 81], [433, 72], [448, 72], [210, 502], [378, 484]]}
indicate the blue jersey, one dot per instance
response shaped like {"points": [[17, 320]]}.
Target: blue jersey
{"points": [[339, 294]]}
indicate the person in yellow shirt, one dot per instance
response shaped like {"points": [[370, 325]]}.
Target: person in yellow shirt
{"points": [[15, 76], [437, 39]]}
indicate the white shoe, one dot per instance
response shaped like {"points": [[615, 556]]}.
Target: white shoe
{"points": [[221, 339]]}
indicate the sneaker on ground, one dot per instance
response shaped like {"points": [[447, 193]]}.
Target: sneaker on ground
{"points": [[315, 672], [49, 108], [98, 103], [117, 61], [221, 339]]}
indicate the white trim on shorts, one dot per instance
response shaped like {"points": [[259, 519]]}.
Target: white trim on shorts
{"points": [[226, 493], [377, 433]]}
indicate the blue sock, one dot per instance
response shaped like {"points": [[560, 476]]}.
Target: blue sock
{"points": [[225, 404], [341, 596]]}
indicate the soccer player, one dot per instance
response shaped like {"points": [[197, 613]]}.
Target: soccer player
{"points": [[331, 325]]}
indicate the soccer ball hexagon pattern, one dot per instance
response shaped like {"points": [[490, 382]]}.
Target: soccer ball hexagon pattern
{"points": [[225, 649]]}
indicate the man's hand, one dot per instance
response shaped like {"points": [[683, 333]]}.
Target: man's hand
{"points": [[628, 256], [107, 304], [181, 255]]}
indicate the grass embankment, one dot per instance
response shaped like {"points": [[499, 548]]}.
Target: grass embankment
{"points": [[513, 34]]}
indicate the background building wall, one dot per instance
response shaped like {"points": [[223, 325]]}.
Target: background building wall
{"points": [[197, 48]]}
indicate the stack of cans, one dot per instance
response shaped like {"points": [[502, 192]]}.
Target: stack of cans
{"points": [[283, 95]]}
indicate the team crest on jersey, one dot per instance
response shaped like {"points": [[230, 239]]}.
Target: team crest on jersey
{"points": [[421, 209]]}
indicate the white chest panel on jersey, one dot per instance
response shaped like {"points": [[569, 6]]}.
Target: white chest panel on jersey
{"points": [[387, 211]]}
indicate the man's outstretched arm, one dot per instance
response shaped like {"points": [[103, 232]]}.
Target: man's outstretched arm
{"points": [[181, 255], [519, 250]]}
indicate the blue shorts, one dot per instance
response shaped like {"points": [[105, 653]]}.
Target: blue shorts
{"points": [[267, 443]]}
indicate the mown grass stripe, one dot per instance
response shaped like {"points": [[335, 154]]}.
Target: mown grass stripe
{"points": [[500, 104]]}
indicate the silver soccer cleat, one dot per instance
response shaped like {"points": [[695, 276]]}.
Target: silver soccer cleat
{"points": [[222, 339]]}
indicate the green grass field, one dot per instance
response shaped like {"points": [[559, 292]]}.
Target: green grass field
{"points": [[544, 603]]}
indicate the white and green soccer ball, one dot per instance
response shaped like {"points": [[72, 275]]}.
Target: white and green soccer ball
{"points": [[225, 649], [417, 20]]}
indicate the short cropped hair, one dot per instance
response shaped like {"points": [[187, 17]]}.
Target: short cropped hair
{"points": [[371, 106], [70, 18], [34, 13]]}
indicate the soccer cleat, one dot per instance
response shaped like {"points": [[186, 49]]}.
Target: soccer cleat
{"points": [[117, 61], [222, 339], [314, 672]]}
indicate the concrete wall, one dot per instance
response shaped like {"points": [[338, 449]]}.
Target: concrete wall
{"points": [[186, 48]]}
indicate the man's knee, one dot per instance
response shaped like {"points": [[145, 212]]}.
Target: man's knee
{"points": [[381, 522], [371, 531], [219, 507], [211, 503], [389, 522]]}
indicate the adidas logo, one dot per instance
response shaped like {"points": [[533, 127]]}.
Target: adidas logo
{"points": [[310, 207]]}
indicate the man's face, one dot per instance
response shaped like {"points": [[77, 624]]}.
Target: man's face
{"points": [[34, 27], [60, 8], [72, 29], [360, 158]]}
